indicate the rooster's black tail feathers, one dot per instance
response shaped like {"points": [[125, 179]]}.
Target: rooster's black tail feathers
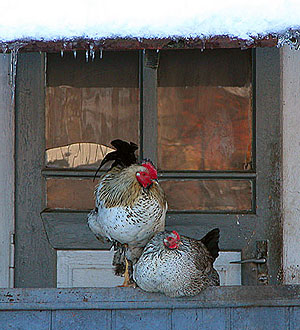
{"points": [[211, 241], [124, 154]]}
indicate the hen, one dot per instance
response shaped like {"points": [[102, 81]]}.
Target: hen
{"points": [[178, 265], [130, 205]]}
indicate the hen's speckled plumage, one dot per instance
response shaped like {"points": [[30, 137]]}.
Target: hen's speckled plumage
{"points": [[184, 271]]}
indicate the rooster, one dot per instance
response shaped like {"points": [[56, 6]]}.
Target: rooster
{"points": [[130, 206], [178, 265]]}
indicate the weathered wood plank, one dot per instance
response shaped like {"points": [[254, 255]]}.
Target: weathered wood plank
{"points": [[294, 318], [143, 43], [290, 59], [149, 105], [129, 298], [142, 319], [19, 320], [81, 320], [268, 165], [204, 319], [7, 169], [35, 259], [259, 318], [69, 231]]}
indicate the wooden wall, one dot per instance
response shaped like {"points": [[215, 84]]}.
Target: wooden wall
{"points": [[220, 308]]}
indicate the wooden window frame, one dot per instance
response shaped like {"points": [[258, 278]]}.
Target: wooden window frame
{"points": [[36, 258]]}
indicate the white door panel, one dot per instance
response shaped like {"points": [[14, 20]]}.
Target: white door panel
{"points": [[94, 269]]}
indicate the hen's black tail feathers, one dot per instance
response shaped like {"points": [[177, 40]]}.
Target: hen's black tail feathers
{"points": [[124, 154], [211, 241]]}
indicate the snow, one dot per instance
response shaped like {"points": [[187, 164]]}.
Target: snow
{"points": [[97, 19]]}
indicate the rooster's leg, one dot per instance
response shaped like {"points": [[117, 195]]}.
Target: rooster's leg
{"points": [[127, 281], [126, 274]]}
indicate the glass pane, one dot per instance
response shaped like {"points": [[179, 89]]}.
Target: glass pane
{"points": [[88, 104], [201, 195], [208, 195], [72, 194], [205, 110]]}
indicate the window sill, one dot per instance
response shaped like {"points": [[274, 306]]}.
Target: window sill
{"points": [[129, 298]]}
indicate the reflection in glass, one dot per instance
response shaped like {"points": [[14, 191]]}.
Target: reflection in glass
{"points": [[205, 111], [70, 194], [208, 195], [89, 104], [83, 117], [195, 195], [77, 155]]}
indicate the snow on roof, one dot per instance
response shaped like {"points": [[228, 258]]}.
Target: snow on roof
{"points": [[156, 19]]}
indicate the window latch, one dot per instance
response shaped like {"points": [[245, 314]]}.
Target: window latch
{"points": [[255, 261], [260, 259]]}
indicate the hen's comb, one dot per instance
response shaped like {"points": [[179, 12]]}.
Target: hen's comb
{"points": [[176, 234]]}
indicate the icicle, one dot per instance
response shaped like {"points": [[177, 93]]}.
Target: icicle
{"points": [[75, 53], [202, 46], [13, 68], [92, 51], [101, 53], [87, 56], [4, 49]]}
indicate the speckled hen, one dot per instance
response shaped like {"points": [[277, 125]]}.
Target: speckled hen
{"points": [[130, 205], [178, 265]]}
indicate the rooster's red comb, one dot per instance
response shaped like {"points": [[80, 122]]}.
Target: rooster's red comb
{"points": [[151, 168]]}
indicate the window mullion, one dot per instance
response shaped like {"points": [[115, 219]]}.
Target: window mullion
{"points": [[148, 85]]}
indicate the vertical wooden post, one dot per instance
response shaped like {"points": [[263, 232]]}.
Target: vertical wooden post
{"points": [[35, 260], [149, 104], [290, 74], [268, 146], [7, 172]]}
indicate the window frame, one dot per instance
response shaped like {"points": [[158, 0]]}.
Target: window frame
{"points": [[32, 234]]}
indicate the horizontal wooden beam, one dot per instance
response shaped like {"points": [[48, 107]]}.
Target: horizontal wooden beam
{"points": [[161, 175], [135, 43], [68, 230], [130, 298]]}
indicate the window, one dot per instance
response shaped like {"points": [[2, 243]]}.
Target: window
{"points": [[195, 114]]}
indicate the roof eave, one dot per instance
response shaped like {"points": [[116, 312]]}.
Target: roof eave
{"points": [[214, 42]]}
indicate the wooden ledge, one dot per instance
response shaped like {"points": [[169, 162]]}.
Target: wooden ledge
{"points": [[129, 298]]}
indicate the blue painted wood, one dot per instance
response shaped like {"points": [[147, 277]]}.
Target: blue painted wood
{"points": [[294, 318], [129, 298], [25, 320], [260, 318], [270, 307], [142, 319], [81, 320], [204, 319]]}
